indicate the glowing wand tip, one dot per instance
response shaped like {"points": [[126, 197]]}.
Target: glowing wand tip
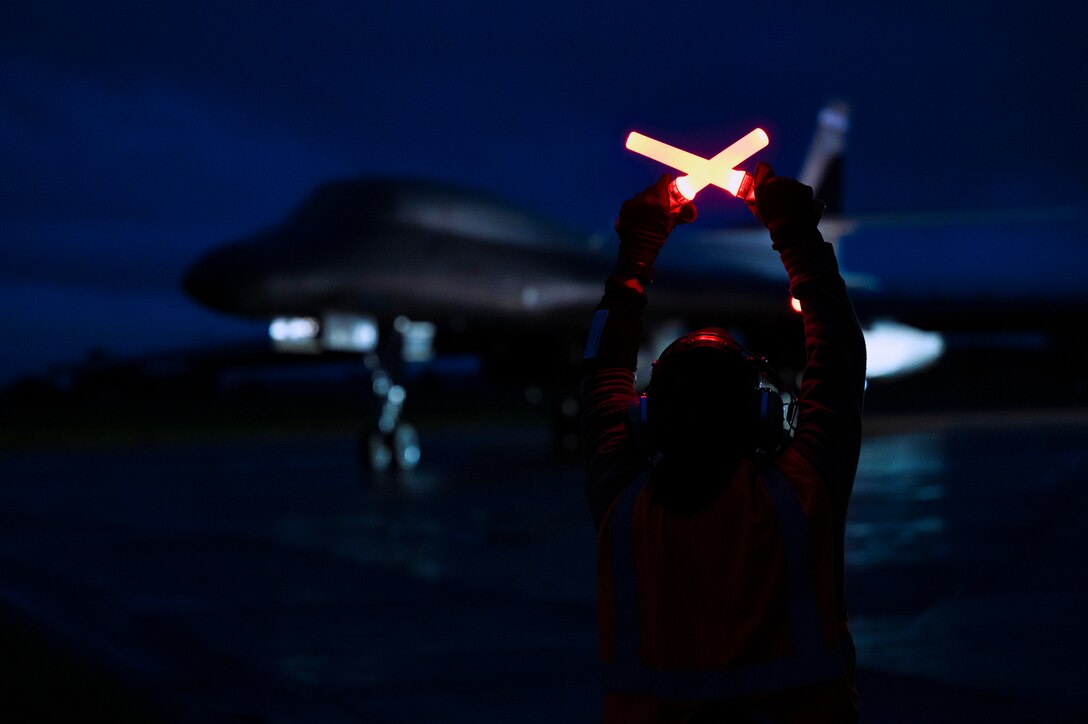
{"points": [[688, 187]]}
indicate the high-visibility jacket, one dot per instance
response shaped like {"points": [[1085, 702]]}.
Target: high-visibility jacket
{"points": [[710, 613], [734, 604]]}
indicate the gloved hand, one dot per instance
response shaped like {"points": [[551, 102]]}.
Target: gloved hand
{"points": [[645, 221], [784, 206]]}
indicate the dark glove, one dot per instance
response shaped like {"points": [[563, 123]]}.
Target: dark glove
{"points": [[645, 221], [785, 207]]}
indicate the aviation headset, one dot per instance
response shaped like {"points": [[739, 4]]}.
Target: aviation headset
{"points": [[773, 408]]}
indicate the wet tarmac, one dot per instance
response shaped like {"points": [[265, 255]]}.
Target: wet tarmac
{"points": [[262, 580]]}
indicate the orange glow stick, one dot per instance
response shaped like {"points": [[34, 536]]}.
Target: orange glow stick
{"points": [[719, 170]]}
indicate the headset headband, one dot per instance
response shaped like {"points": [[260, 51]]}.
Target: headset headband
{"points": [[775, 408]]}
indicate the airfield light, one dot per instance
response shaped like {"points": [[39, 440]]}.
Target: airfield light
{"points": [[701, 172]]}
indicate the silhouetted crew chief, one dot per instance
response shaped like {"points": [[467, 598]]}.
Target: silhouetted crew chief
{"points": [[720, 534]]}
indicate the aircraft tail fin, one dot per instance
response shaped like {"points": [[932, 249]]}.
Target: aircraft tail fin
{"points": [[823, 167]]}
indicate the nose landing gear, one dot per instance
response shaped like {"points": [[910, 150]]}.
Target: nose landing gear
{"points": [[391, 444]]}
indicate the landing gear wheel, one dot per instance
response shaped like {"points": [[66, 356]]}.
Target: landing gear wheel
{"points": [[397, 450], [405, 447]]}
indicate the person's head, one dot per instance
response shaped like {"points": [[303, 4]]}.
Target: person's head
{"points": [[710, 400]]}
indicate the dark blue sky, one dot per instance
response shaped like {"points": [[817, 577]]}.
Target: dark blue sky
{"points": [[135, 135]]}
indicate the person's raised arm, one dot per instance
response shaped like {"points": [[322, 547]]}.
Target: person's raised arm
{"points": [[833, 384], [611, 354]]}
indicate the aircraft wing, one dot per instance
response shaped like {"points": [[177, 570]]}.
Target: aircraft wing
{"points": [[396, 247]]}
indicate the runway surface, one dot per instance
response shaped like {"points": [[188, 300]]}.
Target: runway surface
{"points": [[260, 580]]}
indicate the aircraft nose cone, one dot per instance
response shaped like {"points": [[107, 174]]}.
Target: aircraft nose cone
{"points": [[221, 279]]}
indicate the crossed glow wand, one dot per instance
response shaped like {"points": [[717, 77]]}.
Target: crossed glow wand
{"points": [[719, 171], [701, 172]]}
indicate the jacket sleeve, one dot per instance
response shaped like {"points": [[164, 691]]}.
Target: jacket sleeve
{"points": [[608, 389], [833, 383]]}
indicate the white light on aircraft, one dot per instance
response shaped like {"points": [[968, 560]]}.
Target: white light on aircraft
{"points": [[701, 172], [292, 329], [417, 339], [294, 334], [896, 349], [346, 332]]}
